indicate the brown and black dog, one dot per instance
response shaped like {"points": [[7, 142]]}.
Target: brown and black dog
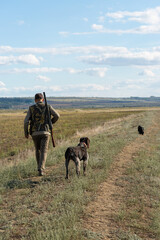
{"points": [[78, 154]]}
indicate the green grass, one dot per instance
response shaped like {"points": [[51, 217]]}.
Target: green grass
{"points": [[141, 205], [52, 207]]}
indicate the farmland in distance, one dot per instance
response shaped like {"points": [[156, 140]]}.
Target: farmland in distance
{"points": [[82, 102]]}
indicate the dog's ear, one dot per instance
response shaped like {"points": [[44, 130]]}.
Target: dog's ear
{"points": [[82, 139], [88, 142]]}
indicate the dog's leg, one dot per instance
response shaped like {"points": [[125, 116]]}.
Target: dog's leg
{"points": [[85, 162], [66, 164], [78, 166], [84, 167]]}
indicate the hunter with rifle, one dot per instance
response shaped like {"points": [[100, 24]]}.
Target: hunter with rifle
{"points": [[38, 123]]}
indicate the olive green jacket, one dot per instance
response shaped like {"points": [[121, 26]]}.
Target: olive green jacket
{"points": [[55, 116]]}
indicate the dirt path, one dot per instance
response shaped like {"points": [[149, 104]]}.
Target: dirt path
{"points": [[100, 214]]}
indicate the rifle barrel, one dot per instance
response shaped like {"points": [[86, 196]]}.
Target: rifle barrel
{"points": [[49, 120]]}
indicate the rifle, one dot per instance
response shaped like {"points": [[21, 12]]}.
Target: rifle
{"points": [[49, 119]]}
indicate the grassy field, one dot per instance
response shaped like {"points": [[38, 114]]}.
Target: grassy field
{"points": [[12, 139], [50, 207], [140, 211]]}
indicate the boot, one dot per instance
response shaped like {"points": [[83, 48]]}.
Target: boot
{"points": [[41, 173]]}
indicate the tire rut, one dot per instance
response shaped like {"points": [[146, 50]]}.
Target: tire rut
{"points": [[100, 214]]}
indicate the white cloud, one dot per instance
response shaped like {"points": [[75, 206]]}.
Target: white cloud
{"points": [[6, 60], [2, 84], [31, 89], [97, 27], [36, 70], [2, 90], [43, 78], [84, 33], [64, 88], [150, 16], [105, 55], [97, 87], [64, 34], [4, 49], [62, 50], [27, 59], [100, 55], [120, 88], [85, 19], [132, 57], [144, 29], [150, 20], [86, 87], [100, 72], [116, 15], [147, 72]]}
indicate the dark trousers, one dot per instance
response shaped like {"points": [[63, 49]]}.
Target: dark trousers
{"points": [[41, 147]]}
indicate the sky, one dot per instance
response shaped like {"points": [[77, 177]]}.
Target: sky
{"points": [[86, 48]]}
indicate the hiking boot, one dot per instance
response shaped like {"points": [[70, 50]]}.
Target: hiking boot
{"points": [[41, 173]]}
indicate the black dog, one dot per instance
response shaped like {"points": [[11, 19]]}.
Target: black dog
{"points": [[141, 130], [77, 154]]}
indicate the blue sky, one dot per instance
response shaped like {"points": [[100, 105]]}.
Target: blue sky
{"points": [[98, 48]]}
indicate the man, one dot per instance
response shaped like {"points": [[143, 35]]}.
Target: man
{"points": [[36, 124]]}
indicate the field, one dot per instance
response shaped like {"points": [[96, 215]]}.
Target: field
{"points": [[12, 134], [119, 197]]}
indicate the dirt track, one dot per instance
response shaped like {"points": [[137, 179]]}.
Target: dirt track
{"points": [[100, 215]]}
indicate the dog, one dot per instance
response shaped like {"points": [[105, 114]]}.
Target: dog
{"points": [[78, 154], [140, 130]]}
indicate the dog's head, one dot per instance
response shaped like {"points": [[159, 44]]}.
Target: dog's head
{"points": [[85, 140]]}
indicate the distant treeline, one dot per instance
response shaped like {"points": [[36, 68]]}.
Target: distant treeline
{"points": [[77, 102], [15, 103]]}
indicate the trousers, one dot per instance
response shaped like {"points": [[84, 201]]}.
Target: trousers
{"points": [[41, 148]]}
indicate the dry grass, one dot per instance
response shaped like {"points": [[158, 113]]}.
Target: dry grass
{"points": [[51, 207], [139, 215], [12, 139]]}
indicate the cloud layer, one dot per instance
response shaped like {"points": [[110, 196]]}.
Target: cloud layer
{"points": [[108, 55], [149, 18], [122, 58], [148, 22], [25, 59]]}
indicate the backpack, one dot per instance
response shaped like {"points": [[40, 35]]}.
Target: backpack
{"points": [[39, 120]]}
